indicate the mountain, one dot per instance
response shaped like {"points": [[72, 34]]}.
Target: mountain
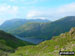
{"points": [[37, 32], [12, 24], [15, 23], [59, 26], [63, 42], [44, 31], [8, 43], [29, 32]]}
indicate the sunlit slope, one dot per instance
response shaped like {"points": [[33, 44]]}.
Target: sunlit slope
{"points": [[30, 29]]}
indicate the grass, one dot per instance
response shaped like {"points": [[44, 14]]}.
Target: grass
{"points": [[63, 42]]}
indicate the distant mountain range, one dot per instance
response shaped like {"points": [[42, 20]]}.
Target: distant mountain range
{"points": [[15, 23], [39, 30]]}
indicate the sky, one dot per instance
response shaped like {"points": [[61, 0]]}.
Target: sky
{"points": [[36, 9]]}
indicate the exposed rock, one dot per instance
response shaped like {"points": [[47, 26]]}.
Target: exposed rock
{"points": [[72, 31]]}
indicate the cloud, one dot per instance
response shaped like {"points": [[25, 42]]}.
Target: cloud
{"points": [[1, 21], [7, 10], [33, 13], [53, 13], [67, 9]]}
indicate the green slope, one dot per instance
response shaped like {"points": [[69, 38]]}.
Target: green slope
{"points": [[9, 42], [63, 42], [30, 29]]}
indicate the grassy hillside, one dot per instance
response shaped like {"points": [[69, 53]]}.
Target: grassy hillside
{"points": [[30, 29], [63, 42], [8, 42]]}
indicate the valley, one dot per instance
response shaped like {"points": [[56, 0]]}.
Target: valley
{"points": [[31, 38], [38, 30]]}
